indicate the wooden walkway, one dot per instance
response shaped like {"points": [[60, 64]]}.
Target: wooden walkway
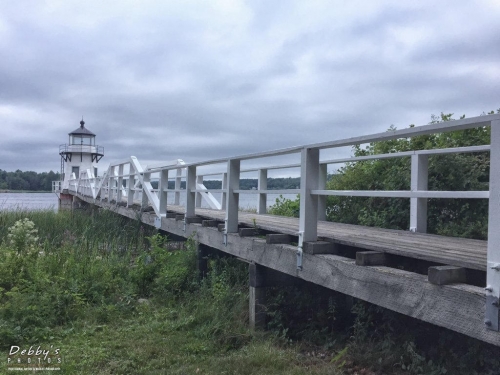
{"points": [[453, 251], [450, 282], [456, 306]]}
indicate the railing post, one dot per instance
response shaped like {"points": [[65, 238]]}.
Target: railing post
{"points": [[190, 191], [120, 184], [262, 197], [323, 176], [492, 312], [419, 182], [144, 201], [163, 191], [199, 181], [110, 183], [177, 187], [309, 180], [130, 185], [232, 198], [109, 193], [224, 189]]}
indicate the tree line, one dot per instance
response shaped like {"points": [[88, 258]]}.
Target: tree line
{"points": [[33, 181], [29, 180], [245, 183]]}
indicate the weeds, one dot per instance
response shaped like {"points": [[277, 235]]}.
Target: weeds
{"points": [[111, 294]]}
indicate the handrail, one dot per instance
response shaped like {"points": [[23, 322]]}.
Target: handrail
{"points": [[142, 176], [68, 148], [128, 182]]}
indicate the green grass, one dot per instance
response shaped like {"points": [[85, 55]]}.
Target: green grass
{"points": [[106, 292], [176, 340]]}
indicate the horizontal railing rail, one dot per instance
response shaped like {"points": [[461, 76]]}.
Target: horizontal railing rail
{"points": [[68, 148]]}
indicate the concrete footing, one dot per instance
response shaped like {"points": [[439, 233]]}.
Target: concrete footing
{"points": [[65, 201]]}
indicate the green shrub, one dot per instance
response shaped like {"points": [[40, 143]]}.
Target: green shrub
{"points": [[285, 207]]}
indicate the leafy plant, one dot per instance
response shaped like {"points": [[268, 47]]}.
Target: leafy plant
{"points": [[285, 207], [22, 237]]}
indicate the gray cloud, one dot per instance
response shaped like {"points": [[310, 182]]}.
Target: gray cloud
{"points": [[198, 80]]}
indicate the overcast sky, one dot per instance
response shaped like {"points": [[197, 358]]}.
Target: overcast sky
{"points": [[206, 79]]}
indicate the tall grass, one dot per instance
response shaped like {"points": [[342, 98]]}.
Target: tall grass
{"points": [[109, 292], [79, 264]]}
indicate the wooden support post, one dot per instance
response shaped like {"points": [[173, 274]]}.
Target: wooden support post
{"points": [[232, 200], [419, 182], [190, 190], [492, 312], [309, 180], [257, 296], [370, 258], [323, 176], [199, 181], [163, 191], [442, 275], [262, 197], [202, 252]]}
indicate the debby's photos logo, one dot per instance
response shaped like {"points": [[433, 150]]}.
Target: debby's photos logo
{"points": [[33, 358]]}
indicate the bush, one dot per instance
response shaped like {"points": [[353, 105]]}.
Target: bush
{"points": [[285, 207]]}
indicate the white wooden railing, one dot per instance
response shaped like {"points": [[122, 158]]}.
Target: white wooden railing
{"points": [[127, 182]]}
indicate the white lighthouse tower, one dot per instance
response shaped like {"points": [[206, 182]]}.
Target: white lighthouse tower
{"points": [[81, 154]]}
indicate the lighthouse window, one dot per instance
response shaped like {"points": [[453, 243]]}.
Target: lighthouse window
{"points": [[77, 140]]}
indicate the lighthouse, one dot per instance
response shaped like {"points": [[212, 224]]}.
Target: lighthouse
{"points": [[80, 154], [78, 157]]}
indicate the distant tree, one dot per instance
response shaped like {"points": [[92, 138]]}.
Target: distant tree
{"points": [[17, 183], [29, 180]]}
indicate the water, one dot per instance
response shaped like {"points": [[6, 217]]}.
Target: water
{"points": [[28, 201], [246, 201], [48, 201]]}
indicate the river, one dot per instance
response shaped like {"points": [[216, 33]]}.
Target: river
{"points": [[28, 201], [48, 201]]}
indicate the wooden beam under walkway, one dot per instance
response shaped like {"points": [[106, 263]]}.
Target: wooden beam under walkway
{"points": [[459, 307]]}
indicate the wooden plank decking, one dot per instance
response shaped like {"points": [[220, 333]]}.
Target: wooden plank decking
{"points": [[453, 251]]}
